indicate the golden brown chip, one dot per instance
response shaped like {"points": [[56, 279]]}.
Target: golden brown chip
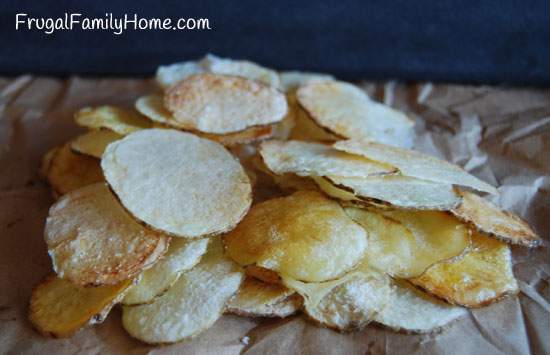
{"points": [[259, 299], [305, 129], [488, 218], [483, 276], [117, 119], [68, 171], [93, 143], [92, 240], [60, 308], [223, 104], [263, 274], [304, 236], [404, 243]]}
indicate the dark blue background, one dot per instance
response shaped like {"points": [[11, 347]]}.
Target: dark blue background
{"points": [[467, 41]]}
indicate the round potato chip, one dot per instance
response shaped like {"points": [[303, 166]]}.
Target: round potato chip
{"points": [[177, 182], [347, 303], [59, 308], [347, 111], [482, 277], [314, 159], [182, 255], [68, 171], [223, 104], [404, 244], [305, 128], [120, 120], [415, 164], [92, 240], [304, 236], [259, 299], [293, 79], [411, 310], [93, 143], [192, 305], [489, 219]]}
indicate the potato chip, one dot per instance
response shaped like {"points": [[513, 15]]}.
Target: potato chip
{"points": [[404, 244], [397, 191], [182, 255], [482, 277], [59, 308], [313, 159], [347, 111], [168, 75], [259, 299], [68, 171], [117, 119], [488, 218], [222, 104], [93, 241], [243, 68], [177, 182], [189, 307], [93, 143], [412, 310], [415, 164], [305, 128], [152, 106], [292, 79], [285, 182], [263, 274], [347, 303], [304, 236]]}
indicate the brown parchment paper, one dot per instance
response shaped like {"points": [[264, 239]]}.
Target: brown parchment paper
{"points": [[501, 135]]}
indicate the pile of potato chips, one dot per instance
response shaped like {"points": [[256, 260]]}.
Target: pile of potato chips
{"points": [[247, 191]]}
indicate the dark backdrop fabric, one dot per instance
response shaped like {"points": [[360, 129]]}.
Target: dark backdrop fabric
{"points": [[462, 41]]}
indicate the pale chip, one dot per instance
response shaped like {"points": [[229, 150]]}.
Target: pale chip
{"points": [[398, 191], [59, 308], [117, 119], [168, 75], [243, 68], [488, 218], [404, 244], [314, 159], [68, 171], [482, 277], [93, 143], [191, 305], [412, 310], [93, 241], [347, 303], [305, 128], [177, 182], [347, 111], [293, 79], [222, 104], [259, 299], [415, 164], [304, 236], [182, 255]]}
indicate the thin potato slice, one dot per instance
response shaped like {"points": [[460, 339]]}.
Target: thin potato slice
{"points": [[347, 111], [93, 241], [93, 143], [223, 104], [398, 191], [293, 79], [313, 159], [263, 274], [415, 164], [152, 106], [286, 182], [259, 299], [68, 171], [482, 277], [120, 120], [489, 219], [168, 75], [412, 310], [59, 308], [305, 128], [189, 307], [177, 182], [243, 68], [304, 236], [405, 244], [182, 255], [347, 303]]}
